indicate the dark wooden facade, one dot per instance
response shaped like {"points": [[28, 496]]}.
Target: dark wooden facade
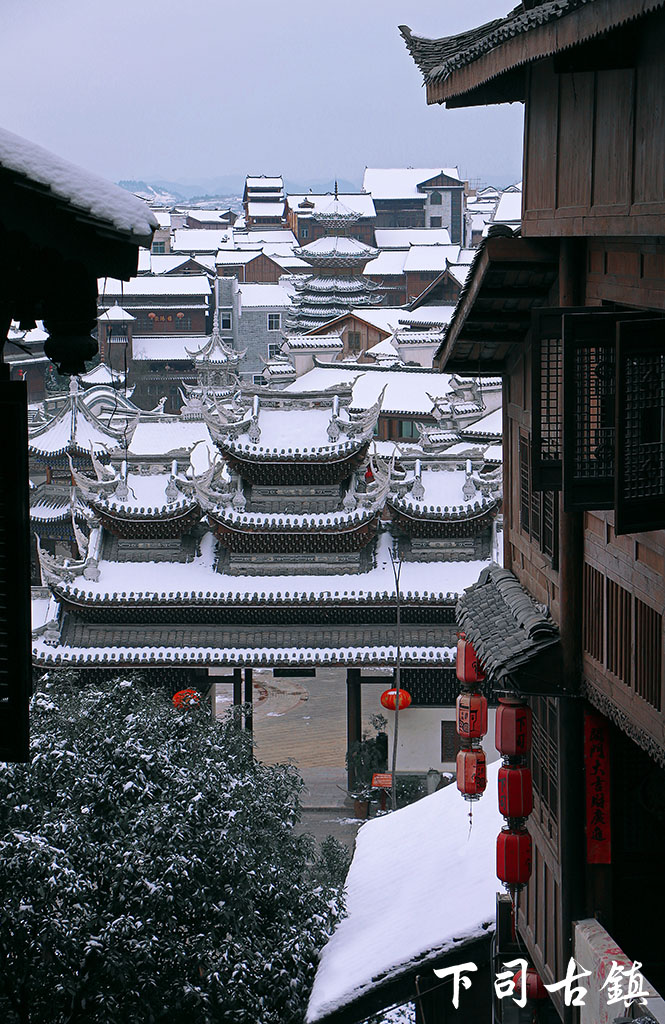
{"points": [[571, 314]]}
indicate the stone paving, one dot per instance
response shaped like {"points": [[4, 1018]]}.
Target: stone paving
{"points": [[303, 720]]}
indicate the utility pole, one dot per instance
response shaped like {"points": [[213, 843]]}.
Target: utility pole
{"points": [[397, 569]]}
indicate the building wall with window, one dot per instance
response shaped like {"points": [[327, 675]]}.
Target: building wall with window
{"points": [[259, 331]]}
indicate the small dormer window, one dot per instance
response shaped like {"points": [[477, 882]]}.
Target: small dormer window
{"points": [[435, 199]]}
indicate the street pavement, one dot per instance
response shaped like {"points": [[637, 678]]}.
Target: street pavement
{"points": [[303, 721]]}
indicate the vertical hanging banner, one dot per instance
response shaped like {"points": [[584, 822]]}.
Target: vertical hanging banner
{"points": [[597, 779]]}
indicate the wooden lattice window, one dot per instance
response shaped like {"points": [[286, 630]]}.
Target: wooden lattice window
{"points": [[589, 406], [593, 631], [619, 626], [640, 438], [539, 510], [545, 764], [546, 390], [648, 654], [525, 484]]}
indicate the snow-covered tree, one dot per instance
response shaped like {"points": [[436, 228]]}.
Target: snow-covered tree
{"points": [[150, 869]]}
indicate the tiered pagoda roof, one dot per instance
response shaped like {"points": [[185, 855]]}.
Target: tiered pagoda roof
{"points": [[139, 505], [76, 431], [439, 502], [339, 260], [281, 437]]}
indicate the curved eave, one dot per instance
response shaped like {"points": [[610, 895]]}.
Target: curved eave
{"points": [[487, 65], [429, 515], [161, 515], [48, 657], [293, 529], [100, 452], [297, 457]]}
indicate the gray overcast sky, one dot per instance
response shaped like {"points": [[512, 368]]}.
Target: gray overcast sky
{"points": [[202, 88]]}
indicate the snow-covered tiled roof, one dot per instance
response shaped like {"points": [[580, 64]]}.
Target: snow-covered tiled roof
{"points": [[269, 295], [388, 262], [265, 210], [401, 182], [116, 315], [509, 209], [403, 238], [427, 315], [492, 423], [74, 429], [358, 202], [430, 257], [102, 374], [166, 346], [406, 391], [261, 181], [447, 901], [236, 257], [171, 284], [168, 435], [314, 342], [198, 239], [85, 191]]}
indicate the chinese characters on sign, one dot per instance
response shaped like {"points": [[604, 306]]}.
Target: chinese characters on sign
{"points": [[510, 983], [597, 775]]}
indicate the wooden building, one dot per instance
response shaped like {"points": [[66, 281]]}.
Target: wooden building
{"points": [[571, 314], [73, 227]]}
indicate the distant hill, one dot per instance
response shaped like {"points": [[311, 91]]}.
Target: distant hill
{"points": [[170, 193]]}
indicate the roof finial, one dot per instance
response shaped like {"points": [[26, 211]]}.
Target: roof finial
{"points": [[336, 190]]}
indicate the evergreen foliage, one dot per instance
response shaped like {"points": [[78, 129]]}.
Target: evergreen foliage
{"points": [[150, 869]]}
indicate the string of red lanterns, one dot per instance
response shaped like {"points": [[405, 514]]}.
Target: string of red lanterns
{"points": [[471, 723], [513, 741]]}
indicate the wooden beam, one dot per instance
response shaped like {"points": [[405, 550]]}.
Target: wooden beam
{"points": [[353, 716]]}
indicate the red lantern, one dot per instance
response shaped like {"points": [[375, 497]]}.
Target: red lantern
{"points": [[186, 698], [389, 699], [180, 316], [469, 669], [471, 716], [513, 857], [513, 728], [535, 986], [369, 475], [152, 316], [515, 792], [471, 768]]}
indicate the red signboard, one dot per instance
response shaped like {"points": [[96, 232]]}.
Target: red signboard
{"points": [[382, 780], [597, 776]]}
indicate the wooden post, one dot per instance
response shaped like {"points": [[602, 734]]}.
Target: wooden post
{"points": [[249, 701], [353, 716], [571, 746]]}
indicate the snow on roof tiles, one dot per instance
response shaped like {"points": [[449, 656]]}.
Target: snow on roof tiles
{"points": [[168, 435], [358, 202], [265, 209], [430, 257], [401, 182], [448, 901], [171, 284], [166, 346], [390, 262], [403, 238], [83, 190], [198, 239], [406, 391], [264, 295]]}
